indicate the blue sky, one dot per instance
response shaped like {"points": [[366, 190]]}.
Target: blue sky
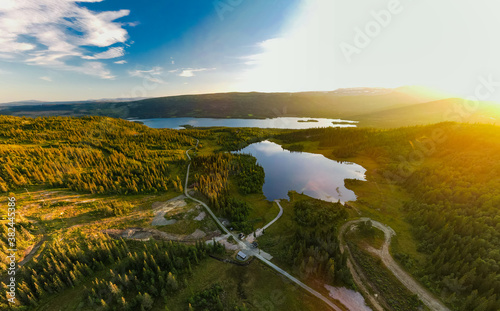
{"points": [[91, 49], [146, 48]]}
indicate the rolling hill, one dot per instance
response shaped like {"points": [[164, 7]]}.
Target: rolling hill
{"points": [[375, 107], [452, 109], [339, 103]]}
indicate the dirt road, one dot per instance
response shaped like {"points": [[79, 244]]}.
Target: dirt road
{"points": [[259, 232], [406, 279]]}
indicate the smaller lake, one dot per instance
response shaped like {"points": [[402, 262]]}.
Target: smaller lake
{"points": [[281, 123], [308, 173]]}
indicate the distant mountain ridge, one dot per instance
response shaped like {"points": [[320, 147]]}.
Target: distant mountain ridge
{"points": [[378, 107], [41, 102]]}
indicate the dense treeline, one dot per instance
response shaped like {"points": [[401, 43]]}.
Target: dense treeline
{"points": [[24, 235], [452, 172], [232, 139], [90, 154], [211, 299], [237, 211], [249, 175], [211, 175], [66, 264], [138, 274], [314, 249], [456, 218], [212, 180], [160, 270]]}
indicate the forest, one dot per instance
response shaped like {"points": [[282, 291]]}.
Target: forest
{"points": [[210, 299], [212, 179], [89, 154], [131, 275], [451, 170], [230, 139], [308, 244]]}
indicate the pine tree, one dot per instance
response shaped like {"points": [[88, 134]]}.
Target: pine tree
{"points": [[147, 302]]}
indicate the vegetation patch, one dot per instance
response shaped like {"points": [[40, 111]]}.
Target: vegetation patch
{"points": [[393, 292]]}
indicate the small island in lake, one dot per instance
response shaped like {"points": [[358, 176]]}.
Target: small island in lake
{"points": [[310, 120]]}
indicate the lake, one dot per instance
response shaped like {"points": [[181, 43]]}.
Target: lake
{"points": [[308, 173], [282, 123]]}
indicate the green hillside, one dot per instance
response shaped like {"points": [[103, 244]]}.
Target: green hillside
{"points": [[336, 104]]}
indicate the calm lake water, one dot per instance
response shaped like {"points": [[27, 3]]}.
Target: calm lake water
{"points": [[308, 173], [282, 123]]}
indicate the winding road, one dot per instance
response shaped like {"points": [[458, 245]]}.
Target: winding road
{"points": [[255, 251], [259, 232], [277, 217], [406, 279]]}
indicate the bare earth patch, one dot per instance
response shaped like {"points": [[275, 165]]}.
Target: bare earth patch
{"points": [[160, 209], [198, 234], [144, 234], [201, 216]]}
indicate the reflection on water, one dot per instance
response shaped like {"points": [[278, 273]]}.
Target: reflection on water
{"points": [[284, 123], [311, 174], [349, 298]]}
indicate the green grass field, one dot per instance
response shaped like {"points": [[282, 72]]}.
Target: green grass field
{"points": [[256, 286]]}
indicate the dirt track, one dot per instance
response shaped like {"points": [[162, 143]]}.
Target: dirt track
{"points": [[425, 296]]}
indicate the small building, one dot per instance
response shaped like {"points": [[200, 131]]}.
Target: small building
{"points": [[242, 256]]}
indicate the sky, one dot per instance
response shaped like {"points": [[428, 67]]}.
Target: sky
{"points": [[56, 50]]}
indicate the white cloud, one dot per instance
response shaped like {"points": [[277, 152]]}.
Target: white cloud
{"points": [[121, 62], [93, 69], [48, 79], [141, 73], [189, 72], [101, 30], [151, 75], [52, 32], [108, 54]]}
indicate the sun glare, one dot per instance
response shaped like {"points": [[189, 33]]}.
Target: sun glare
{"points": [[300, 59]]}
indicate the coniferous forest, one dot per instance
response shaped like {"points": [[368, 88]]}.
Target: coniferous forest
{"points": [[212, 180], [452, 173], [134, 274], [314, 250], [92, 154]]}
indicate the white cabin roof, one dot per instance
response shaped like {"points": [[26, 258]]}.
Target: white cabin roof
{"points": [[242, 255]]}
